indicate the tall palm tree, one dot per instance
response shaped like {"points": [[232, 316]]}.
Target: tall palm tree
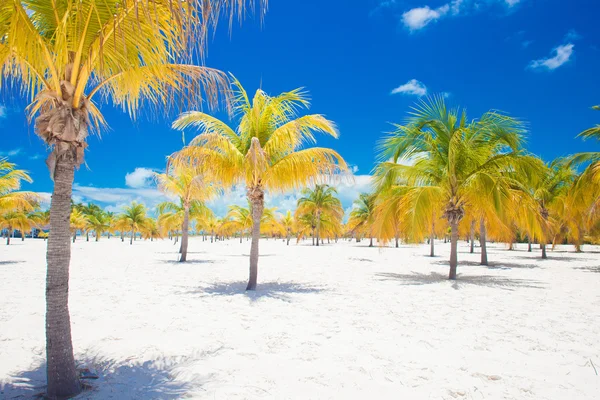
{"points": [[189, 183], [320, 201], [70, 55], [362, 215], [452, 158], [266, 151], [135, 217]]}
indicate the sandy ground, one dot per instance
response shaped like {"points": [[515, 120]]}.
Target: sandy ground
{"points": [[340, 321]]}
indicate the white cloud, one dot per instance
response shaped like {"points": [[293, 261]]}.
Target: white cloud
{"points": [[420, 17], [36, 156], [572, 36], [561, 55], [2, 111], [10, 153], [139, 178], [412, 87]]}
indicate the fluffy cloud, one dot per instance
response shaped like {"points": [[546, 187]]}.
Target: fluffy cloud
{"points": [[412, 87], [420, 17], [560, 56], [139, 178]]}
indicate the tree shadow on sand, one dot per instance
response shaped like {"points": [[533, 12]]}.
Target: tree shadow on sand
{"points": [[10, 262], [492, 265], [417, 279], [274, 290], [188, 262], [590, 269], [124, 379]]}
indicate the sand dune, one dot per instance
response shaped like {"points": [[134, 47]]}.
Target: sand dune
{"points": [[341, 321]]}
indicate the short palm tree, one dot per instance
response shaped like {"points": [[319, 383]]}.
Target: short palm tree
{"points": [[68, 56], [452, 158], [189, 183], [78, 221], [362, 215], [287, 222], [10, 183], [99, 222], [174, 216], [321, 201], [134, 216], [266, 151], [14, 220]]}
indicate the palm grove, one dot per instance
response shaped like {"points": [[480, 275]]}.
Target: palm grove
{"points": [[441, 174]]}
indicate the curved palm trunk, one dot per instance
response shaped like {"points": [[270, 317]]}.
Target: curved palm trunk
{"points": [[482, 235], [60, 363], [453, 249], [256, 196], [472, 237], [185, 228]]}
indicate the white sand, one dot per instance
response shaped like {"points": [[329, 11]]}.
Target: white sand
{"points": [[335, 322]]}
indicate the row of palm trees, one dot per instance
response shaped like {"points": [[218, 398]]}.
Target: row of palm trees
{"points": [[69, 56]]}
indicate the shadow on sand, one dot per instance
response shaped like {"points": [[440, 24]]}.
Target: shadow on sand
{"points": [[492, 265], [590, 269], [188, 262], [416, 279], [126, 379], [274, 290], [10, 262]]}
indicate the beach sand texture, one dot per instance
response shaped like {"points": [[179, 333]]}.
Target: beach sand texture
{"points": [[339, 321]]}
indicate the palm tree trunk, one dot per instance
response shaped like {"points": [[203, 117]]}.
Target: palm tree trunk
{"points": [[185, 228], [288, 238], [256, 196], [371, 243], [8, 236], [528, 244], [482, 239], [87, 236], [472, 237], [318, 226], [122, 236], [74, 236], [397, 242], [97, 236], [453, 249], [60, 363], [22, 236], [432, 241], [543, 246], [132, 235]]}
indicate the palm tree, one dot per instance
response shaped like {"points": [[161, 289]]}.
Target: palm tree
{"points": [[99, 222], [10, 183], [452, 158], [189, 184], [135, 217], [77, 221], [287, 222], [320, 201], [173, 216], [14, 220], [150, 229], [593, 158], [265, 152], [70, 55], [362, 215]]}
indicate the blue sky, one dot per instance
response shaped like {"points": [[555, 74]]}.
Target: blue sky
{"points": [[365, 63]]}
